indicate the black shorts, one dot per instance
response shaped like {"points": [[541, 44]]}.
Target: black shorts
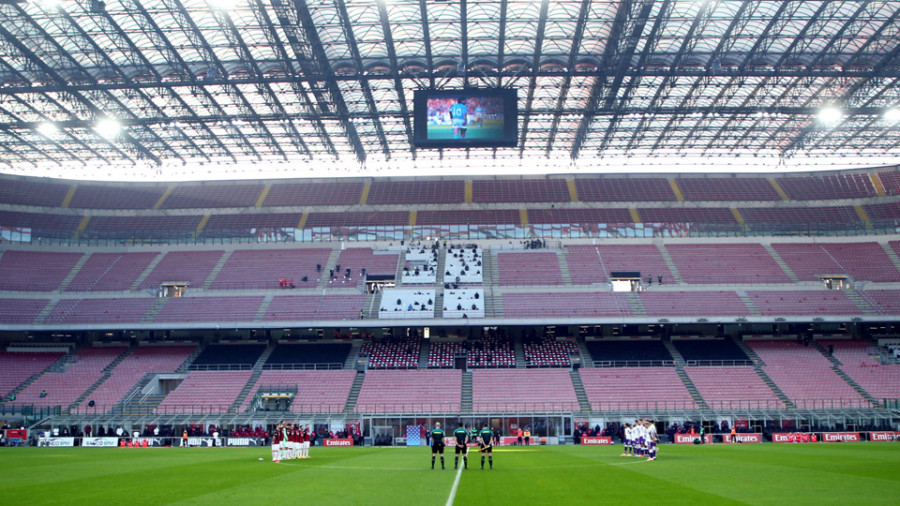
{"points": [[487, 448], [437, 448], [460, 448]]}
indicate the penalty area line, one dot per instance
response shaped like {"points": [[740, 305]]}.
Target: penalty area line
{"points": [[455, 486]]}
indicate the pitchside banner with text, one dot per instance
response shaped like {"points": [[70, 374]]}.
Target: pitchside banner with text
{"points": [[743, 438], [603, 440], [686, 439], [884, 436], [339, 442]]}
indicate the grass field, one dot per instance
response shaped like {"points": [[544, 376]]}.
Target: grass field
{"points": [[841, 473], [492, 129]]}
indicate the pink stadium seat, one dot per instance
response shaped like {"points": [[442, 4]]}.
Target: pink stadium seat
{"points": [[84, 368], [205, 392], [505, 390], [410, 391], [635, 389], [316, 391]]}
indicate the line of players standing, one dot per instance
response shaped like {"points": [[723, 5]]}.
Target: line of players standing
{"points": [[290, 441], [641, 439], [462, 436]]}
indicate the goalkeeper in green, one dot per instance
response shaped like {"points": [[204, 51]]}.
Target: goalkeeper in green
{"points": [[487, 445]]}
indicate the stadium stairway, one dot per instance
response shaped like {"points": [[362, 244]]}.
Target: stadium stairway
{"points": [[140, 279], [857, 299], [353, 356], [439, 273], [676, 274], [564, 272], [58, 365], [186, 365], [519, 348], [74, 272], [493, 305], [154, 310], [695, 394], [758, 367], [216, 270], [107, 372], [676, 355], [329, 264], [263, 307], [465, 400], [895, 259], [42, 316], [751, 306], [836, 367], [580, 393], [586, 359], [781, 263], [635, 304], [354, 393], [257, 372], [439, 301], [425, 350], [401, 262], [371, 305], [126, 400], [490, 271]]}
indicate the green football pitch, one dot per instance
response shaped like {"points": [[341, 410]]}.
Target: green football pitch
{"points": [[840, 473], [492, 129]]}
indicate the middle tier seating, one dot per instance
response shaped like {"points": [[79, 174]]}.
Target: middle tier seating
{"points": [[803, 302], [529, 268], [726, 263], [644, 352], [103, 311], [549, 352], [209, 309], [589, 264], [37, 271], [353, 261], [110, 271], [392, 353], [693, 304], [635, 389], [315, 307], [463, 303], [508, 390], [565, 305], [862, 362], [262, 268], [411, 391], [864, 261], [205, 392]]}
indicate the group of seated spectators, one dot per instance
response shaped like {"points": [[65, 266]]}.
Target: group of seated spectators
{"points": [[246, 431]]}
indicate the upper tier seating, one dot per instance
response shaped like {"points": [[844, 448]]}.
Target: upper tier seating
{"points": [[687, 215], [862, 363], [392, 353], [864, 261], [192, 267], [804, 375], [518, 190], [623, 189], [213, 195], [205, 392], [141, 227], [491, 351], [334, 193], [539, 268], [18, 366], [635, 389], [463, 303], [95, 196], [644, 351], [726, 263], [209, 309], [41, 225], [262, 268], [693, 304], [314, 307], [239, 355], [110, 271], [709, 349], [831, 186], [803, 302], [14, 311], [416, 192], [103, 311], [565, 305], [141, 361], [732, 387], [316, 391], [413, 391], [590, 264], [549, 352], [38, 271], [406, 304], [506, 390], [727, 189], [84, 368], [381, 263], [441, 355], [33, 193], [288, 355], [882, 213]]}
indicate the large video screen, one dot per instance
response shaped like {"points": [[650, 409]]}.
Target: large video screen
{"points": [[465, 118]]}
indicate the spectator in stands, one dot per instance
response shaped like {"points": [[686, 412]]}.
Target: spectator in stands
{"points": [[659, 278], [43, 394]]}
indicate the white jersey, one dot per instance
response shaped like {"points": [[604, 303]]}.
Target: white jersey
{"points": [[652, 434], [629, 434], [638, 432]]}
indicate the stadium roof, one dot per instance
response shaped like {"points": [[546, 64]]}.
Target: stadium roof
{"points": [[176, 89]]}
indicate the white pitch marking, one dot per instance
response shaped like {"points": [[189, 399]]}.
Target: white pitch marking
{"points": [[455, 486]]}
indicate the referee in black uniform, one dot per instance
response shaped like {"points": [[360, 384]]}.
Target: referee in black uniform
{"points": [[437, 444], [462, 437]]}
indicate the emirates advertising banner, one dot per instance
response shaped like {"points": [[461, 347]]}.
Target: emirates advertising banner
{"points": [[686, 439], [599, 440], [743, 438]]}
